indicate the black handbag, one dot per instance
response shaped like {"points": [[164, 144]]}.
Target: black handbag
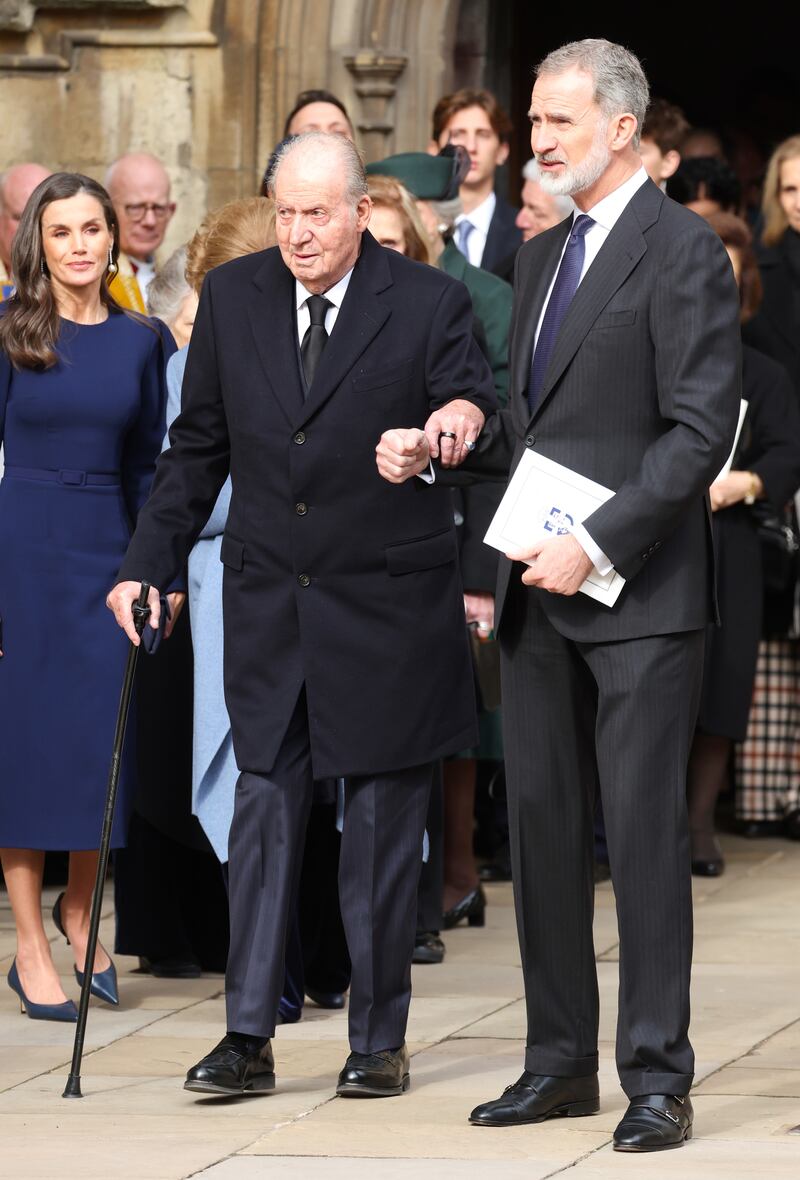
{"points": [[777, 532]]}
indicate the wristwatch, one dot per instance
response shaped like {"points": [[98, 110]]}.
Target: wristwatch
{"points": [[750, 498]]}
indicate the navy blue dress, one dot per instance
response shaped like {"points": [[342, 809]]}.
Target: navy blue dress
{"points": [[80, 444]]}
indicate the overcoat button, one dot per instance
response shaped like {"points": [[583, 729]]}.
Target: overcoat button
{"points": [[530, 441], [301, 509], [304, 579], [299, 438]]}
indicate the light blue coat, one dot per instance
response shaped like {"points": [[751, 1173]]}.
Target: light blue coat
{"points": [[214, 770]]}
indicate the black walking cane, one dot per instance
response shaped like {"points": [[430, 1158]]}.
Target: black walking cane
{"points": [[141, 612]]}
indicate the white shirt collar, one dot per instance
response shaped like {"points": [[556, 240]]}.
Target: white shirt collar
{"points": [[334, 295], [608, 211], [481, 215]]}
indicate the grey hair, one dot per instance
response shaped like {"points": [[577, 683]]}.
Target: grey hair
{"points": [[447, 212], [169, 288], [564, 204], [356, 177], [620, 84]]}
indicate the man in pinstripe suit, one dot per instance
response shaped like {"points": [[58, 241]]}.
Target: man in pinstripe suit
{"points": [[625, 368]]}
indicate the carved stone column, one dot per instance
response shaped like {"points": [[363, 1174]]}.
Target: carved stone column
{"points": [[375, 76]]}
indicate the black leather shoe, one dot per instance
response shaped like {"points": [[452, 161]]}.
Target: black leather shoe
{"points": [[375, 1075], [172, 968], [325, 999], [654, 1122], [472, 907], [757, 829], [428, 947], [229, 1069], [536, 1097], [708, 868]]}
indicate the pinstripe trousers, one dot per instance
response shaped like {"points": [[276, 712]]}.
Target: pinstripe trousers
{"points": [[617, 718]]}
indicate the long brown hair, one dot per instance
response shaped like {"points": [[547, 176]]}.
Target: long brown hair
{"points": [[30, 324], [736, 235], [775, 220]]}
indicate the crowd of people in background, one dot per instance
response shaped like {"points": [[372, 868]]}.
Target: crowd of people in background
{"points": [[106, 409]]}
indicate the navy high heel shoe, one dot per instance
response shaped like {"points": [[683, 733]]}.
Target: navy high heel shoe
{"points": [[66, 1012], [104, 983]]}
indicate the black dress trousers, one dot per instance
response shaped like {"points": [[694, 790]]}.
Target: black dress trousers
{"points": [[617, 717]]}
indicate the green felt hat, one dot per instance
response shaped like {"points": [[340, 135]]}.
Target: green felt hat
{"points": [[428, 178]]}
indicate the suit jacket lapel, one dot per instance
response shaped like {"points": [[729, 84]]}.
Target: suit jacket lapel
{"points": [[274, 326], [360, 319], [619, 254]]}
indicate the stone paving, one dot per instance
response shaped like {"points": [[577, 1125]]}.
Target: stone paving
{"points": [[465, 1035]]}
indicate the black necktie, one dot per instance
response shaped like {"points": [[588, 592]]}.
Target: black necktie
{"points": [[564, 288], [316, 337]]}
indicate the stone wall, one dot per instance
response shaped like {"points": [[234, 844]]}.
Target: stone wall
{"points": [[206, 84]]}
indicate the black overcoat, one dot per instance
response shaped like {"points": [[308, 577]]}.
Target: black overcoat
{"points": [[334, 578]]}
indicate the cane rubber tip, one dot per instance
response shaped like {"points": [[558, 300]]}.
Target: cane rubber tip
{"points": [[72, 1088]]}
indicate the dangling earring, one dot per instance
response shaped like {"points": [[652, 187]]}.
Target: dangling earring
{"points": [[44, 270], [113, 269]]}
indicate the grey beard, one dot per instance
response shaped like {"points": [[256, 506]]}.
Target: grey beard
{"points": [[582, 176]]}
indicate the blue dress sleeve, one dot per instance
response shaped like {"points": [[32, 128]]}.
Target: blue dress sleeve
{"points": [[215, 525], [143, 442]]}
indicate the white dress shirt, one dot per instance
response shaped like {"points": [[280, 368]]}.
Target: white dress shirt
{"points": [[605, 214], [480, 218], [335, 297]]}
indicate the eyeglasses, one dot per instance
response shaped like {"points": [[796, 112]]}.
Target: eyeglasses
{"points": [[160, 212]]}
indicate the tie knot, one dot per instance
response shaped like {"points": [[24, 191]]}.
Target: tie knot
{"points": [[317, 308], [581, 227]]}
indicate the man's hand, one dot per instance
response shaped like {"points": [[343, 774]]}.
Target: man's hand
{"points": [[559, 565], [121, 599], [459, 418], [402, 454], [176, 601]]}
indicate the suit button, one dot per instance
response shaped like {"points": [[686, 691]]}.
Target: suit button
{"points": [[304, 579], [301, 509], [530, 441], [299, 438]]}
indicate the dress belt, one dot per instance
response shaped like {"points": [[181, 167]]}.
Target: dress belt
{"points": [[69, 478]]}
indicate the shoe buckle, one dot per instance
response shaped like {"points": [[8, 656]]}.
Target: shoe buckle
{"points": [[672, 1117], [678, 1098]]}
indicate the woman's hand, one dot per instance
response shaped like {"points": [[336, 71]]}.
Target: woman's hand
{"points": [[733, 488], [176, 600]]}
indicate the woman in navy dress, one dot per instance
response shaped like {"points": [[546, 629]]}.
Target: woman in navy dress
{"points": [[82, 407]]}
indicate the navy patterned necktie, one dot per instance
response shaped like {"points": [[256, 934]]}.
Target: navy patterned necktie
{"points": [[316, 337], [564, 288]]}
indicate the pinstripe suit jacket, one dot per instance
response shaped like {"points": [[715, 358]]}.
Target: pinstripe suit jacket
{"points": [[642, 395]]}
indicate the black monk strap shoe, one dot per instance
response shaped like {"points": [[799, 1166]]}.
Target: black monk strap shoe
{"points": [[536, 1097], [230, 1069], [654, 1122], [375, 1075]]}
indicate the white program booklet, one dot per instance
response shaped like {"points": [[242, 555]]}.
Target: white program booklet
{"points": [[545, 499], [726, 469]]}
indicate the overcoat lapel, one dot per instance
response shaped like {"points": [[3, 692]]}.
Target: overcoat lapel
{"points": [[360, 318], [778, 293], [272, 319]]}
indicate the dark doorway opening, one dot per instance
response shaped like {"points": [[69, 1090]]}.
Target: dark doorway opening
{"points": [[739, 76]]}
